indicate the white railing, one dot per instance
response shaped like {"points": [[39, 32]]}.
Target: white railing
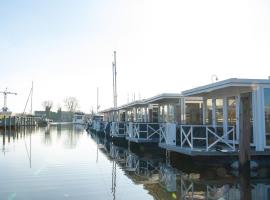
{"points": [[143, 130], [211, 135], [118, 129], [168, 133]]}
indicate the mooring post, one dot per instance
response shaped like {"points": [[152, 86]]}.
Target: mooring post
{"points": [[245, 186], [245, 128]]}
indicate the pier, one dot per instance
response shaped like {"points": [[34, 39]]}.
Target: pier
{"points": [[17, 121]]}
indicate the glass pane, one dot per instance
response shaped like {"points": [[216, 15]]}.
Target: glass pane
{"points": [[193, 113], [171, 113], [209, 108], [219, 111], [267, 114], [161, 113], [231, 111]]}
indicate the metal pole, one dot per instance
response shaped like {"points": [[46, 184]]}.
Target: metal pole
{"points": [[32, 97], [5, 100], [115, 79], [97, 100]]}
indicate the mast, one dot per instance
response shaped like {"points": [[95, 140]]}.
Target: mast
{"points": [[97, 100], [32, 90], [115, 80], [114, 85]]}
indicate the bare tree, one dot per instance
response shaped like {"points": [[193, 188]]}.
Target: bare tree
{"points": [[71, 104], [47, 105]]}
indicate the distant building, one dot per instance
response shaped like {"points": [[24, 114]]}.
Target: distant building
{"points": [[59, 116]]}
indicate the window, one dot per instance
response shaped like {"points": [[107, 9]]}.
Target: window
{"points": [[193, 113], [267, 114], [219, 111], [231, 111], [209, 109]]}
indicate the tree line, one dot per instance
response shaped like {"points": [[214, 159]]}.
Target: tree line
{"points": [[70, 103]]}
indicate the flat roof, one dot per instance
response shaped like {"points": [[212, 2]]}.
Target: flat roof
{"points": [[131, 104], [232, 82], [107, 110], [161, 98]]}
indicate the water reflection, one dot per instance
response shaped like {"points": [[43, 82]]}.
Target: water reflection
{"points": [[60, 162], [166, 182]]}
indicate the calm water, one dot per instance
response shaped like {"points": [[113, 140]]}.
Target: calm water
{"points": [[65, 162]]}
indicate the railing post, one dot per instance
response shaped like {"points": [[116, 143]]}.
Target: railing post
{"points": [[192, 137], [181, 137], [147, 131], [233, 139], [206, 132]]}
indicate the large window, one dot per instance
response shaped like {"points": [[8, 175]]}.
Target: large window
{"points": [[231, 111], [170, 113], [193, 113], [219, 111], [267, 114], [209, 110]]}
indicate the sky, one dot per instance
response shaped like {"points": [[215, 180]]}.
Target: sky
{"points": [[66, 47]]}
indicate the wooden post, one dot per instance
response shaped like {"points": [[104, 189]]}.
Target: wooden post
{"points": [[245, 127], [245, 186]]}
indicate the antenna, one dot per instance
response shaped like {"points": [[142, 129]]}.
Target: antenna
{"points": [[5, 93]]}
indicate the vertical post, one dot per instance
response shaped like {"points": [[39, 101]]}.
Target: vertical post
{"points": [[204, 107], [245, 186], [245, 126], [183, 111], [15, 124], [9, 122], [97, 100], [214, 122], [32, 90], [225, 116], [5, 122], [115, 80], [114, 85]]}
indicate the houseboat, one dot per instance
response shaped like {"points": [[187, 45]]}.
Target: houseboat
{"points": [[203, 121], [78, 118], [96, 123], [231, 109]]}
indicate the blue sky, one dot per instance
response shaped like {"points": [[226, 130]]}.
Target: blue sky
{"points": [[66, 47]]}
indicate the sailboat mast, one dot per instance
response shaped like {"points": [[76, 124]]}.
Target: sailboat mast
{"points": [[32, 90], [97, 100]]}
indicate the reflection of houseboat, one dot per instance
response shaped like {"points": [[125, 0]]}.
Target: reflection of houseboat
{"points": [[166, 182], [78, 118]]}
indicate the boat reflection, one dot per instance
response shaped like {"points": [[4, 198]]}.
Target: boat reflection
{"points": [[164, 181]]}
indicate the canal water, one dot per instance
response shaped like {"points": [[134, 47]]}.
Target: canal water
{"points": [[66, 162]]}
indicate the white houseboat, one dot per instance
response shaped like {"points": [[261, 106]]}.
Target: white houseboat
{"points": [[227, 106], [78, 118]]}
